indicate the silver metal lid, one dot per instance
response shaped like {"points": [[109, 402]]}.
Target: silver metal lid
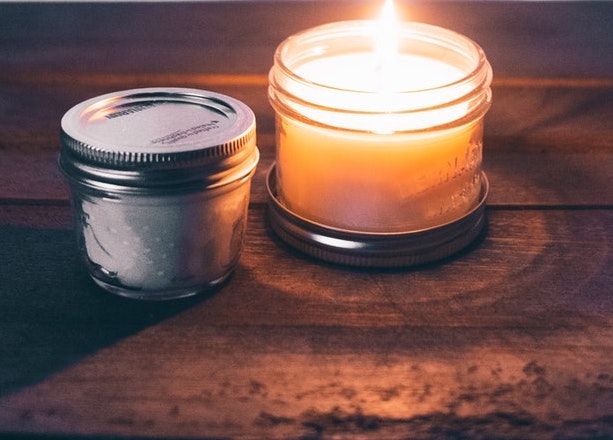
{"points": [[157, 136], [367, 249]]}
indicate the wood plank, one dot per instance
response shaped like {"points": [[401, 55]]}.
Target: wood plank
{"points": [[565, 116], [39, 215], [512, 337], [544, 262], [537, 179], [542, 147], [223, 383], [220, 37]]}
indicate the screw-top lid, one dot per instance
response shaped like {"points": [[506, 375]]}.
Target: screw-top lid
{"points": [[158, 136]]}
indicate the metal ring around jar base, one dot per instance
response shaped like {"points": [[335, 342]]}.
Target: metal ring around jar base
{"points": [[367, 249]]}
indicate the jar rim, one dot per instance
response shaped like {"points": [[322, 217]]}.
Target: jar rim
{"points": [[305, 98], [415, 30]]}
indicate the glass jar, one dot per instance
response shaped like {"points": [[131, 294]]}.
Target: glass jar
{"points": [[371, 147], [160, 183]]}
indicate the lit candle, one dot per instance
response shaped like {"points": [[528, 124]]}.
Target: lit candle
{"points": [[379, 124]]}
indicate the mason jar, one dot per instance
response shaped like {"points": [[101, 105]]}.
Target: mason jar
{"points": [[375, 146], [160, 183]]}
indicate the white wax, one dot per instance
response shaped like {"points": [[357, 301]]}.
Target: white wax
{"points": [[165, 243]]}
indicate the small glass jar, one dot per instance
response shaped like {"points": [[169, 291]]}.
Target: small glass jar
{"points": [[373, 151], [160, 183]]}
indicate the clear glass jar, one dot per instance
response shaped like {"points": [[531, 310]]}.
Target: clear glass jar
{"points": [[366, 146], [160, 183]]}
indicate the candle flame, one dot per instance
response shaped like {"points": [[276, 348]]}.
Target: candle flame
{"points": [[386, 44], [386, 53]]}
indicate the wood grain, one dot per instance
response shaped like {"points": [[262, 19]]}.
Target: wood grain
{"points": [[512, 331], [509, 339], [559, 156]]}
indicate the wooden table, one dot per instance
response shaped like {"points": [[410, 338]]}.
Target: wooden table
{"points": [[510, 339]]}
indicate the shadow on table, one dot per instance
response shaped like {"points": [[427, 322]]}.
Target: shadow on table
{"points": [[52, 314]]}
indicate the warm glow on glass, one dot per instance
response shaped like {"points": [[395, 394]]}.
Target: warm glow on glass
{"points": [[378, 124]]}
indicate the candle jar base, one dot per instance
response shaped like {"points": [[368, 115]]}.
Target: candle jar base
{"points": [[367, 249], [161, 295]]}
